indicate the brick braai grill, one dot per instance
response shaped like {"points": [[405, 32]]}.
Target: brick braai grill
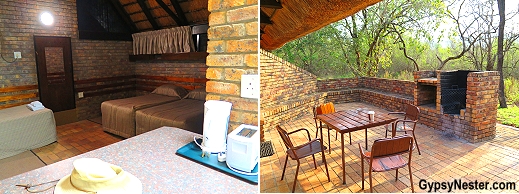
{"points": [[453, 91], [463, 103]]}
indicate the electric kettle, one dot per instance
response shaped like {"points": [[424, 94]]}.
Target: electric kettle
{"points": [[216, 123]]}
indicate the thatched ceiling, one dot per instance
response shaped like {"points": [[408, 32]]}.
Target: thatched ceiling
{"points": [[118, 19], [147, 15], [300, 17]]}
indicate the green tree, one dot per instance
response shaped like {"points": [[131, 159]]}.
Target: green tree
{"points": [[500, 57], [316, 52]]}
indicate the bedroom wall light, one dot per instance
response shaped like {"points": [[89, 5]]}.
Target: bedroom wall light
{"points": [[46, 18]]}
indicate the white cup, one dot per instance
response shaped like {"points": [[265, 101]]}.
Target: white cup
{"points": [[371, 115]]}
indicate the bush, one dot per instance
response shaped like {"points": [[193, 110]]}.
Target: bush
{"points": [[508, 116], [403, 75], [512, 90]]}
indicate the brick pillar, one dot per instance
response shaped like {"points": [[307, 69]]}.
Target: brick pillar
{"points": [[481, 112], [233, 51]]}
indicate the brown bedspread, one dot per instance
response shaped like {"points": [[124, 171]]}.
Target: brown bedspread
{"points": [[187, 114], [119, 115]]}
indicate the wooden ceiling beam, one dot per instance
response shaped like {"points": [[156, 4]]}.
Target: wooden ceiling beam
{"points": [[148, 14], [171, 14], [180, 12], [264, 18], [125, 16], [271, 4]]}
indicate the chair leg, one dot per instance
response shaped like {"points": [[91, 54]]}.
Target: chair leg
{"points": [[336, 134], [315, 164], [362, 172], [397, 174], [370, 182], [386, 133], [349, 134], [414, 137], [411, 178], [325, 165], [329, 142], [295, 179], [284, 167]]}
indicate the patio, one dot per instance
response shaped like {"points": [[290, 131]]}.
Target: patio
{"points": [[444, 158]]}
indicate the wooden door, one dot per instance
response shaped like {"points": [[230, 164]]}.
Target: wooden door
{"points": [[55, 77]]}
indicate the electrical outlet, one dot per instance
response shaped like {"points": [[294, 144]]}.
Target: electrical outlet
{"points": [[80, 95], [250, 86], [17, 55]]}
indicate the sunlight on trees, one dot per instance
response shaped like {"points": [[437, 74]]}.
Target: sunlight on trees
{"points": [[393, 38]]}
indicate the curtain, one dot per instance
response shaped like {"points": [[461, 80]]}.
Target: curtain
{"points": [[173, 40]]}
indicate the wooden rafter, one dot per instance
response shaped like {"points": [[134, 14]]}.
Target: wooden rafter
{"points": [[148, 14], [120, 10], [171, 14], [271, 4], [180, 12], [264, 18]]}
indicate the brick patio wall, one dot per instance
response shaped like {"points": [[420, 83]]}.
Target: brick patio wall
{"points": [[233, 51], [287, 91], [389, 94], [400, 87]]}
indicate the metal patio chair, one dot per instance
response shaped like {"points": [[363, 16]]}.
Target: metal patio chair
{"points": [[297, 152], [408, 124], [325, 109], [386, 154]]}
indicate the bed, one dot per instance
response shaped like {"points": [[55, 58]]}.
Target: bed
{"points": [[118, 116], [22, 129], [187, 114]]}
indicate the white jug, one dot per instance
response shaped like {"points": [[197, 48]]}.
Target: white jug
{"points": [[216, 122]]}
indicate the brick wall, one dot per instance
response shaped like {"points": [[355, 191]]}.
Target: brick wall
{"points": [[177, 69], [389, 94], [232, 48], [337, 84], [100, 59], [401, 87], [287, 91], [19, 23]]}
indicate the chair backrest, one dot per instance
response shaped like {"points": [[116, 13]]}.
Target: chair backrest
{"points": [[412, 112], [392, 146], [324, 109], [285, 137]]}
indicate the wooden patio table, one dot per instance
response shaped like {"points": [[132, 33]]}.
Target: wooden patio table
{"points": [[349, 121]]}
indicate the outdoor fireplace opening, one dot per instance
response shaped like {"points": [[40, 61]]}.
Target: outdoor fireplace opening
{"points": [[453, 91], [428, 95]]}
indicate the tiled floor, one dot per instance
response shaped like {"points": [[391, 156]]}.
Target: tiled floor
{"points": [[444, 158], [74, 139]]}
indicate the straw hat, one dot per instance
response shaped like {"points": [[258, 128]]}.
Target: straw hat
{"points": [[93, 175]]}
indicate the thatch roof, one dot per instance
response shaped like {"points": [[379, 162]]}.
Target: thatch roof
{"points": [[118, 19], [300, 17]]}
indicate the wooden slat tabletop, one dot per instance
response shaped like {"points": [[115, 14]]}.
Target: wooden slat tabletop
{"points": [[353, 120]]}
